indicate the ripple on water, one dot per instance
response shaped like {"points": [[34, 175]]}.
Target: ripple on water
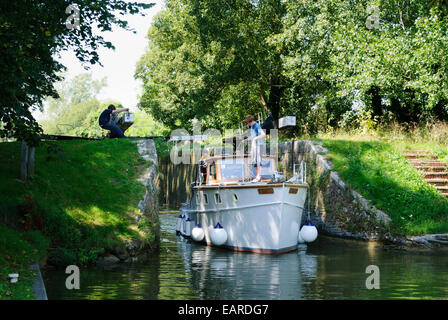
{"points": [[326, 269]]}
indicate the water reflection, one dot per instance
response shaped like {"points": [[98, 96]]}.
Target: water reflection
{"points": [[326, 269], [221, 274]]}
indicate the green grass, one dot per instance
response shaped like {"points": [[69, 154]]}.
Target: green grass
{"points": [[378, 170], [83, 199], [162, 147], [19, 250]]}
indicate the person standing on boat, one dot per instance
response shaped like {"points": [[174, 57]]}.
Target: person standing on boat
{"points": [[106, 121], [256, 135]]}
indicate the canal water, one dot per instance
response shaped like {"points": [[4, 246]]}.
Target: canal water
{"points": [[326, 269]]}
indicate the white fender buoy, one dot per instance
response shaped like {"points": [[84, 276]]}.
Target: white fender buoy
{"points": [[187, 232], [14, 277], [308, 232], [178, 224], [197, 234], [218, 235]]}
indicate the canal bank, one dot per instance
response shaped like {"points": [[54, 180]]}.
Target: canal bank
{"points": [[331, 268], [39, 290], [89, 202], [141, 213], [158, 259], [138, 248], [338, 209]]}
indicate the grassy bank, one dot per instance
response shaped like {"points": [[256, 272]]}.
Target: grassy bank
{"points": [[81, 202], [18, 251], [375, 166]]}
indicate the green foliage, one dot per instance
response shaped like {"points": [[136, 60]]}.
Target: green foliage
{"points": [[162, 147], [145, 125], [87, 201], [395, 71], [378, 171], [209, 60], [19, 250], [76, 111], [73, 92], [319, 60], [79, 120], [32, 33]]}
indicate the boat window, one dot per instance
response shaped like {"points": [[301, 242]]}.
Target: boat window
{"points": [[218, 198], [235, 197], [205, 198]]}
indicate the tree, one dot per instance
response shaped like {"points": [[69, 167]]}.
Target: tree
{"points": [[76, 111], [395, 69], [324, 61], [31, 34], [210, 60], [307, 46], [398, 68], [81, 88], [79, 119]]}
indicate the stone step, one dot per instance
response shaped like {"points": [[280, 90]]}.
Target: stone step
{"points": [[420, 156], [433, 163], [414, 151], [435, 171], [437, 182], [436, 175], [431, 168], [444, 192]]}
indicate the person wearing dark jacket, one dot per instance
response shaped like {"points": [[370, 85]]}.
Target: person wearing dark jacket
{"points": [[106, 122]]}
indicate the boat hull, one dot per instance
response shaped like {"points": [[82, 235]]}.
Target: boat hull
{"points": [[261, 219]]}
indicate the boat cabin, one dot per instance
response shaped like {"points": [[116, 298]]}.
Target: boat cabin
{"points": [[234, 169]]}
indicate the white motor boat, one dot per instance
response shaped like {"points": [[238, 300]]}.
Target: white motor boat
{"points": [[228, 210]]}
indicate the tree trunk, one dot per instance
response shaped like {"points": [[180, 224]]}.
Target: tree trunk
{"points": [[275, 94], [263, 102], [377, 107]]}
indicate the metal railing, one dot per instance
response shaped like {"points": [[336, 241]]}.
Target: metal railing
{"points": [[302, 171]]}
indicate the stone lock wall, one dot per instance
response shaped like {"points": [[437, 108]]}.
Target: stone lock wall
{"points": [[149, 205], [336, 209], [138, 249]]}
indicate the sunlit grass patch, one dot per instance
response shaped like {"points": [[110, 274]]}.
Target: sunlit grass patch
{"points": [[377, 169], [85, 191]]}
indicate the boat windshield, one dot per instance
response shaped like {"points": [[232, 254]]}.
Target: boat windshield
{"points": [[231, 169], [266, 170]]}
